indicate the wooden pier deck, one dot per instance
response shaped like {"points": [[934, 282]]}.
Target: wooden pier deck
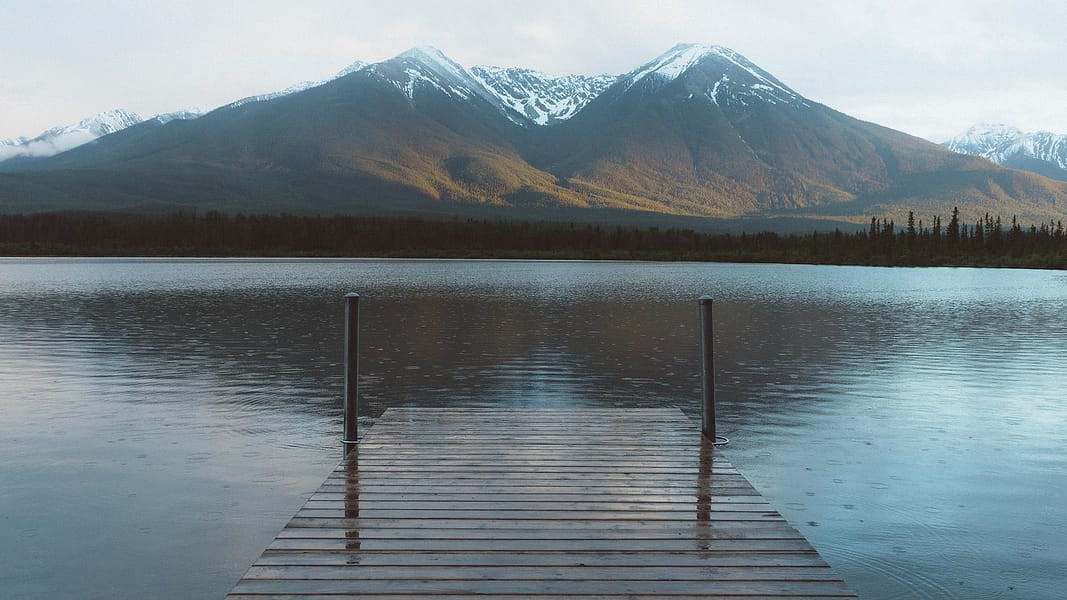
{"points": [[487, 504]]}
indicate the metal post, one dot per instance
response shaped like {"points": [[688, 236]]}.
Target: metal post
{"points": [[351, 371], [707, 370]]}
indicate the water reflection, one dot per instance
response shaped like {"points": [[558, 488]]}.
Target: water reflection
{"points": [[902, 418], [704, 495], [351, 500]]}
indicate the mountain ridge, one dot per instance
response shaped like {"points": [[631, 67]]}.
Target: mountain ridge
{"points": [[62, 138], [699, 130], [541, 98], [1041, 152]]}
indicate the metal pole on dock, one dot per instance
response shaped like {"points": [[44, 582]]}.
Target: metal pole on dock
{"points": [[707, 370], [351, 371]]}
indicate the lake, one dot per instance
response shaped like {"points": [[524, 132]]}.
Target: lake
{"points": [[161, 420]]}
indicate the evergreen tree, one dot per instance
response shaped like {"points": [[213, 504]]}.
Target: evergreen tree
{"points": [[953, 231]]}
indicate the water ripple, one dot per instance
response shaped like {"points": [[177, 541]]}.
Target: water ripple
{"points": [[912, 418]]}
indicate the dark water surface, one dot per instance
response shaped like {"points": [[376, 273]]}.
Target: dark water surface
{"points": [[160, 420]]}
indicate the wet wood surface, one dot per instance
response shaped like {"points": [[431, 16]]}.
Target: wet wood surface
{"points": [[489, 504]]}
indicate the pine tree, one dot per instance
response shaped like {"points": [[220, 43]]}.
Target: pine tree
{"points": [[953, 232], [912, 233]]}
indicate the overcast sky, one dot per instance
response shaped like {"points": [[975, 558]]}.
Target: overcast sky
{"points": [[928, 68]]}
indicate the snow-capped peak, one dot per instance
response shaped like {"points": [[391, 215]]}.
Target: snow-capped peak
{"points": [[104, 123], [66, 137], [543, 99], [358, 65], [436, 60], [739, 80], [987, 135], [427, 68], [1007, 145], [675, 61]]}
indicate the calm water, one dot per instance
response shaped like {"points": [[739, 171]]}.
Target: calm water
{"points": [[161, 420]]}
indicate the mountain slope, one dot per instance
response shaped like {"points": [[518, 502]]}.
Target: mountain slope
{"points": [[700, 130], [1041, 152], [298, 87], [63, 138]]}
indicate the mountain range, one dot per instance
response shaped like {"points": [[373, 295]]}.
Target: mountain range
{"points": [[1041, 152], [698, 131], [63, 138]]}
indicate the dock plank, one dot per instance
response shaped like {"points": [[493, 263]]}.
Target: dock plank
{"points": [[458, 504]]}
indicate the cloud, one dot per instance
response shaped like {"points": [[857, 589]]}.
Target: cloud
{"points": [[46, 146]]}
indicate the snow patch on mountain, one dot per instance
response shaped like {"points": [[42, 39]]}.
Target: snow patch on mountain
{"points": [[713, 93], [541, 98], [1002, 143], [66, 137], [179, 115], [296, 87]]}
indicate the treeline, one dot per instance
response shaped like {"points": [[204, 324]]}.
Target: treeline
{"points": [[988, 242]]}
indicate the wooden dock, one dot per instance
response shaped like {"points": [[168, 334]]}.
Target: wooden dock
{"points": [[468, 503]]}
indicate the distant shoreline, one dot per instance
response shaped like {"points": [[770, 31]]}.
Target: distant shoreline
{"points": [[216, 235]]}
